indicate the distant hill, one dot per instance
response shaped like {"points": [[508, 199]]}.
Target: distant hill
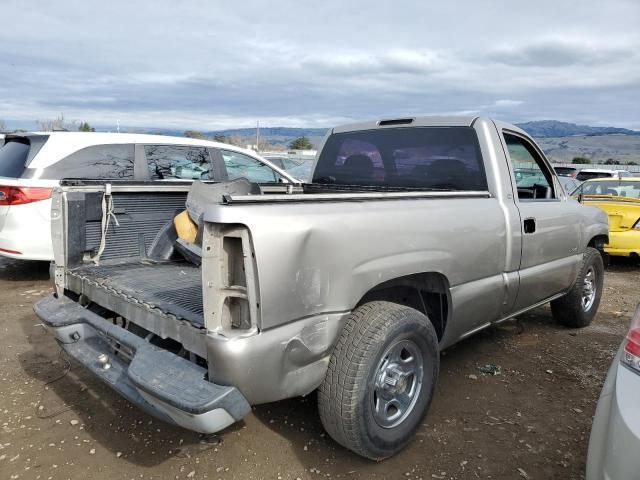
{"points": [[599, 148], [554, 128]]}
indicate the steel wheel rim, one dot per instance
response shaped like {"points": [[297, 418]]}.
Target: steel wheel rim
{"points": [[397, 383], [589, 289]]}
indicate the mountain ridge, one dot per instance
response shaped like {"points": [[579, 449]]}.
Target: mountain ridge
{"points": [[535, 128], [556, 128]]}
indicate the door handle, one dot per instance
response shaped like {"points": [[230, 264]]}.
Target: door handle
{"points": [[529, 225]]}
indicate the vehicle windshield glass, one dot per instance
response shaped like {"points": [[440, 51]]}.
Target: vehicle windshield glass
{"points": [[432, 158], [624, 188], [302, 172], [564, 170], [13, 157]]}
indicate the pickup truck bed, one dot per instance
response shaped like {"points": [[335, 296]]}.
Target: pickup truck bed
{"points": [[173, 288]]}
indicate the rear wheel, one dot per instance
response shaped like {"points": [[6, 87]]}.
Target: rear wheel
{"points": [[578, 307], [380, 379]]}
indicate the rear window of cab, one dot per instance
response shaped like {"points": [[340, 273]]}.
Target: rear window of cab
{"points": [[433, 158]]}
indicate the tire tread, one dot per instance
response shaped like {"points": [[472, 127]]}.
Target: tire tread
{"points": [[348, 370]]}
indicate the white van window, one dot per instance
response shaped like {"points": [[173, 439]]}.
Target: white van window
{"points": [[240, 165], [178, 162], [95, 162]]}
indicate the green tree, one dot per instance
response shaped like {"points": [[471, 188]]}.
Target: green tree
{"points": [[218, 137], [611, 161], [85, 127], [193, 134], [581, 160], [632, 163], [301, 143]]}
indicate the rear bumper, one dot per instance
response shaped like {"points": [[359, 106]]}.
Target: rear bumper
{"points": [[615, 436], [623, 244], [164, 385]]}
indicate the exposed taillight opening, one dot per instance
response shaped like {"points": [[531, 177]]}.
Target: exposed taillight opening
{"points": [[631, 354], [23, 195], [228, 267]]}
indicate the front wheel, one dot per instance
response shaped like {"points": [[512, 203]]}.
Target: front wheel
{"points": [[380, 379], [578, 307]]}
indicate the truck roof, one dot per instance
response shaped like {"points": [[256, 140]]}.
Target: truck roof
{"points": [[421, 121]]}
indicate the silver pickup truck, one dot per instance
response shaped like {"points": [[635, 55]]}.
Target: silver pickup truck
{"points": [[413, 235]]}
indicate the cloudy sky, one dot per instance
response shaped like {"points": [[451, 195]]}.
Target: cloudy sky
{"points": [[223, 64]]}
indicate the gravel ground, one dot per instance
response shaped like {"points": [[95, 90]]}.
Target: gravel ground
{"points": [[531, 420]]}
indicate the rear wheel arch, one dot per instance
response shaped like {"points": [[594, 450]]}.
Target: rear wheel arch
{"points": [[427, 292]]}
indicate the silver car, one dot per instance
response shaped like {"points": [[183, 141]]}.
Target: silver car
{"points": [[614, 445]]}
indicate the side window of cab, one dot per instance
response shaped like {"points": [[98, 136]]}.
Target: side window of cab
{"points": [[240, 165], [533, 176]]}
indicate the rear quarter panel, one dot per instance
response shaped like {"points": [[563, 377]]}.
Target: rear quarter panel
{"points": [[317, 258]]}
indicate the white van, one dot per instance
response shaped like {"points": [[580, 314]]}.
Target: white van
{"points": [[32, 164]]}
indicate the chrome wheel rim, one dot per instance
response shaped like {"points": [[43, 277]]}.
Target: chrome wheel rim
{"points": [[397, 383], [588, 289]]}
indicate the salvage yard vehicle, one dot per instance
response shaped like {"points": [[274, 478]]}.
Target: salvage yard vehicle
{"points": [[615, 435], [620, 198], [567, 171], [32, 164], [588, 173], [412, 236]]}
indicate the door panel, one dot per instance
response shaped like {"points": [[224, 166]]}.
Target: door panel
{"points": [[550, 253], [551, 228]]}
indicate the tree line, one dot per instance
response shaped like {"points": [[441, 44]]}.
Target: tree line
{"points": [[608, 161], [300, 143]]}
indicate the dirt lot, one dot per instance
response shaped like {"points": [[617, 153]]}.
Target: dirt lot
{"points": [[531, 420]]}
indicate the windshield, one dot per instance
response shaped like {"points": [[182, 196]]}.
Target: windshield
{"points": [[433, 158], [624, 188], [303, 171]]}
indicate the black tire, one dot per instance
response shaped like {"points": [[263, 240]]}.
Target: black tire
{"points": [[572, 310], [350, 389]]}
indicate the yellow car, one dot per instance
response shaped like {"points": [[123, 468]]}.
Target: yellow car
{"points": [[620, 198]]}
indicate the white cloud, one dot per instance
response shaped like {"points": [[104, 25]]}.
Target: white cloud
{"points": [[199, 63], [506, 103]]}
